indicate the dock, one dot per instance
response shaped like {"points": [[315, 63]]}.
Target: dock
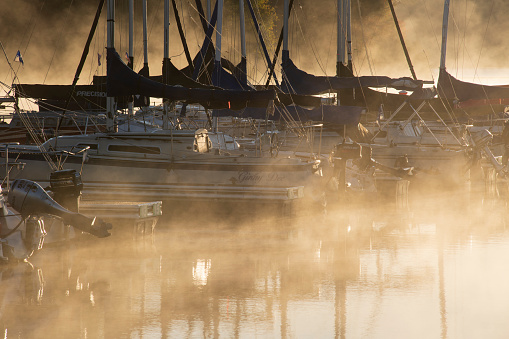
{"points": [[140, 218]]}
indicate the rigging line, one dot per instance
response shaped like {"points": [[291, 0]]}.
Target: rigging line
{"points": [[478, 60], [60, 40], [484, 38], [215, 31], [31, 28], [313, 47], [364, 37], [445, 104], [432, 29]]}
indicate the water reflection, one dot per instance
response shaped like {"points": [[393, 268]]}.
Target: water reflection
{"points": [[432, 271]]}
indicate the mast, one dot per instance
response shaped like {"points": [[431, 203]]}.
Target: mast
{"points": [[445, 26], [146, 73], [407, 56], [217, 61], [166, 48], [145, 36], [131, 32], [82, 61], [286, 13], [349, 35], [181, 33], [340, 58], [130, 102], [278, 48], [260, 37], [209, 12], [243, 60], [343, 62], [110, 101]]}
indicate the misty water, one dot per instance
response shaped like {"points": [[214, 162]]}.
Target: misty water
{"points": [[437, 269]]}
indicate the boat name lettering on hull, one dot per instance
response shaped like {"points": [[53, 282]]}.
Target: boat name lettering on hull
{"points": [[248, 177], [90, 94]]}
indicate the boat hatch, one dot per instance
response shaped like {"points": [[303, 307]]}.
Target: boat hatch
{"points": [[202, 143]]}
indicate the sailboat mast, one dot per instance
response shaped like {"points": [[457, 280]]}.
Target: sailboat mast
{"points": [[209, 11], [349, 34], [130, 103], [286, 53], [407, 56], [166, 28], [166, 47], [340, 58], [145, 46], [278, 48], [110, 101], [445, 26], [131, 32], [260, 37], [219, 31], [243, 60], [145, 35]]}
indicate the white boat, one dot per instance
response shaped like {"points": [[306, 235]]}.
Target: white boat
{"points": [[167, 165]]}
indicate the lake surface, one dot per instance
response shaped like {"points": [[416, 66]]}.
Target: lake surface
{"points": [[436, 270]]}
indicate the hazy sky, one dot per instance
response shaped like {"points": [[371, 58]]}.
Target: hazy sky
{"points": [[51, 34]]}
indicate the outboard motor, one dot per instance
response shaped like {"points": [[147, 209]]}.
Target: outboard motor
{"points": [[481, 140], [29, 198], [66, 186], [19, 237]]}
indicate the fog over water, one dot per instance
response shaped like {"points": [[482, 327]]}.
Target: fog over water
{"points": [[365, 269], [435, 270]]}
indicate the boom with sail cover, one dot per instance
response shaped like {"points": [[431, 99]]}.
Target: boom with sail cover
{"points": [[339, 115], [451, 88], [122, 81], [300, 82]]}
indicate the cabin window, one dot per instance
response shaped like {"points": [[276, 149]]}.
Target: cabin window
{"points": [[134, 149]]}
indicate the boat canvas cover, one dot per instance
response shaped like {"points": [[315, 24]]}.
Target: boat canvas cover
{"points": [[54, 97], [300, 82], [123, 81], [58, 92], [451, 88], [340, 115]]}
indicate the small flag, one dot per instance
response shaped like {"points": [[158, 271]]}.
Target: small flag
{"points": [[127, 58], [98, 59], [19, 58]]}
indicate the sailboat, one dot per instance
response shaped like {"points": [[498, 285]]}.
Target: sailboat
{"points": [[170, 165], [474, 99]]}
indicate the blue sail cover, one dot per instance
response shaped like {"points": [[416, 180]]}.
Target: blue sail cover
{"points": [[223, 79], [340, 115], [123, 81], [300, 82]]}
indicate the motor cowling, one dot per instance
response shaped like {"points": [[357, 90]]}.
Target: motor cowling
{"points": [[29, 198], [66, 186]]}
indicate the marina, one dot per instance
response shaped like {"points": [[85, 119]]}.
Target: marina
{"points": [[283, 172]]}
